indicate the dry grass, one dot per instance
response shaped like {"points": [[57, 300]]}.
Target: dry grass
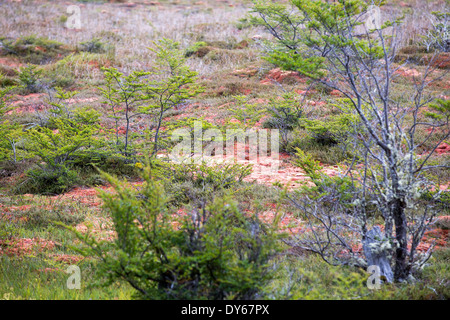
{"points": [[132, 29]]}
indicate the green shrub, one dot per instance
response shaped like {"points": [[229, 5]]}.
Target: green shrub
{"points": [[82, 66], [215, 252], [93, 46], [68, 137], [38, 217], [440, 199], [332, 130], [284, 116], [202, 182], [329, 154], [8, 81], [199, 48], [48, 181], [35, 50], [30, 78], [248, 114], [154, 93], [433, 279]]}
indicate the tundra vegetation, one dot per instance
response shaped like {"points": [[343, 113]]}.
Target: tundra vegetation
{"points": [[358, 91]]}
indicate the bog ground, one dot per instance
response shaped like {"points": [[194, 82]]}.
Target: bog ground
{"points": [[87, 116]]}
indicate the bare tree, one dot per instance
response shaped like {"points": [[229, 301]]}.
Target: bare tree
{"points": [[386, 176]]}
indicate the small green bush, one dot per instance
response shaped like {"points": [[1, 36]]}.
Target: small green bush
{"points": [[69, 136], [284, 116], [198, 48], [93, 46], [10, 133], [215, 252], [30, 78], [47, 181]]}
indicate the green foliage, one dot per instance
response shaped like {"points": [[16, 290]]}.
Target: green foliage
{"points": [[7, 81], [42, 278], [35, 50], [30, 78], [71, 137], [40, 217], [68, 135], [82, 66], [285, 113], [194, 48], [332, 130], [290, 60], [433, 279], [93, 46], [243, 23], [330, 154], [33, 40], [309, 278], [248, 114], [305, 33], [286, 24], [192, 182], [170, 85], [440, 199], [123, 94], [282, 21], [341, 187], [48, 181], [309, 165], [215, 252], [439, 110]]}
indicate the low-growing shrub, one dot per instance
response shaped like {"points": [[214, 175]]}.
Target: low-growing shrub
{"points": [[331, 130], [47, 181], [41, 216], [215, 252], [30, 78], [35, 50], [93, 46], [199, 49], [201, 182]]}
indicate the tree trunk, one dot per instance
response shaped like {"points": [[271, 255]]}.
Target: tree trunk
{"points": [[372, 242], [401, 267]]}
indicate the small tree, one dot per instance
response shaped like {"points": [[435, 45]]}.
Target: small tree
{"points": [[335, 48], [170, 85], [124, 94], [67, 136], [30, 78], [285, 112], [248, 114], [149, 93]]}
